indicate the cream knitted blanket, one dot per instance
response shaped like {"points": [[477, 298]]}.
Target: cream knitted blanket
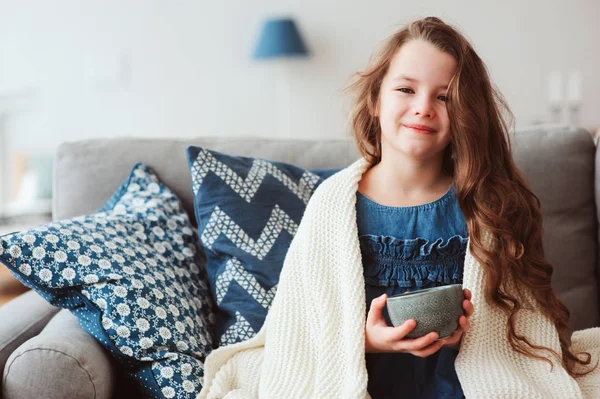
{"points": [[312, 343]]}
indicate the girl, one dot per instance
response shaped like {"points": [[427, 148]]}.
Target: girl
{"points": [[412, 232], [436, 199]]}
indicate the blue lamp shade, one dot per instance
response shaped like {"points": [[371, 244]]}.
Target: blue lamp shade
{"points": [[280, 37]]}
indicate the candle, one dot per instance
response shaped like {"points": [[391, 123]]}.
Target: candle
{"points": [[555, 93], [575, 89]]}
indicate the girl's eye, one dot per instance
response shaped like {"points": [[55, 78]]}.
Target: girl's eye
{"points": [[443, 98]]}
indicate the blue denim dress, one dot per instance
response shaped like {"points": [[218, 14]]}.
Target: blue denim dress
{"points": [[406, 249]]}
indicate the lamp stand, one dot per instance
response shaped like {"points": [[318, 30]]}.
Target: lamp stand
{"points": [[283, 99]]}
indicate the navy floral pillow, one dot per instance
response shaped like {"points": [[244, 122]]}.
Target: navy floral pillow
{"points": [[133, 275], [248, 211]]}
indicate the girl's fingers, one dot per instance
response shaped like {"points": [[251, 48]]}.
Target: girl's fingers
{"points": [[417, 344], [375, 316], [468, 307], [400, 332], [467, 294], [464, 323], [430, 350], [455, 336], [454, 339]]}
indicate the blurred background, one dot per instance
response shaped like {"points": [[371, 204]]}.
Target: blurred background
{"points": [[72, 70]]}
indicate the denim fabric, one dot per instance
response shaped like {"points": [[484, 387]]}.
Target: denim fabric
{"points": [[406, 249]]}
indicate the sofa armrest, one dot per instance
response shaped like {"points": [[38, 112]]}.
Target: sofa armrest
{"points": [[20, 319], [63, 361]]}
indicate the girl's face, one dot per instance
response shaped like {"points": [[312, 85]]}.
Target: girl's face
{"points": [[412, 102]]}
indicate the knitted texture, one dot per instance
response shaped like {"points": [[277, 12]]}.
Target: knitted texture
{"points": [[312, 343]]}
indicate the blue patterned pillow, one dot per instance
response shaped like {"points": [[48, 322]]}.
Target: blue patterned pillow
{"points": [[132, 275], [248, 211]]}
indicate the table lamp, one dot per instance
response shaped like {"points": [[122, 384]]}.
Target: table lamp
{"points": [[281, 40]]}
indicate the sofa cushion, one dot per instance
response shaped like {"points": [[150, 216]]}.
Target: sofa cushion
{"points": [[247, 210], [132, 275], [558, 162], [84, 178]]}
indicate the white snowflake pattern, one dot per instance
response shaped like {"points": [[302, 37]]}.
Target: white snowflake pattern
{"points": [[168, 392], [84, 260], [123, 309], [91, 279], [143, 303], [120, 291], [52, 238], [166, 372], [137, 284], [45, 275], [68, 273], [107, 323], [73, 245], [25, 269], [160, 312], [186, 369], [101, 302], [60, 256], [142, 324], [96, 249], [39, 252], [123, 331], [126, 350], [29, 239]]}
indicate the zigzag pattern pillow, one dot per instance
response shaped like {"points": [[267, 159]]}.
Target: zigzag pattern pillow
{"points": [[132, 274], [248, 211]]}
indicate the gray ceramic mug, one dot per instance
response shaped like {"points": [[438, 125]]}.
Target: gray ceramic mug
{"points": [[435, 309]]}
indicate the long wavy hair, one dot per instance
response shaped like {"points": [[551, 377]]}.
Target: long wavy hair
{"points": [[502, 213]]}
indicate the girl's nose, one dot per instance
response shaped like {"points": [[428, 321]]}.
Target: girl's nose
{"points": [[423, 107]]}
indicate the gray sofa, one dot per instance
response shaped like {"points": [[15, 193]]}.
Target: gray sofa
{"points": [[45, 354]]}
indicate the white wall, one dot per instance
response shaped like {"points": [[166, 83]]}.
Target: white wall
{"points": [[155, 68]]}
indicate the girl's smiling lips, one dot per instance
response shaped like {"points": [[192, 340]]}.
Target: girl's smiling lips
{"points": [[421, 128]]}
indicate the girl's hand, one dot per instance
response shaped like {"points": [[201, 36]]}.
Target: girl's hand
{"points": [[453, 341], [381, 338]]}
